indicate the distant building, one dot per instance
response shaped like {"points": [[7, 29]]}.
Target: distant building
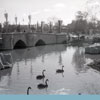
{"points": [[64, 29]]}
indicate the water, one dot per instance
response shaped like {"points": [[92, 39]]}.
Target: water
{"points": [[28, 63]]}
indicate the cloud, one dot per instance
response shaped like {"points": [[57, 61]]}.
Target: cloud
{"points": [[55, 8], [36, 13], [47, 10], [94, 4], [60, 5], [33, 13]]}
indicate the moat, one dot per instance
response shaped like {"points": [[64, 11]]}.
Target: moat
{"points": [[28, 63]]}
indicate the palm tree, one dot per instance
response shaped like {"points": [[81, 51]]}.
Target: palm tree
{"points": [[6, 17], [16, 20], [6, 23], [29, 17]]}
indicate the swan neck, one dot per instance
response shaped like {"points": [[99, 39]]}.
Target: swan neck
{"points": [[43, 73], [46, 82], [27, 91]]}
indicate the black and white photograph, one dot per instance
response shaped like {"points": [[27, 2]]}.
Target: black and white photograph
{"points": [[49, 47]]}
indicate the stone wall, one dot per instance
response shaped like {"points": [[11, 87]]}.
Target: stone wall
{"points": [[30, 39]]}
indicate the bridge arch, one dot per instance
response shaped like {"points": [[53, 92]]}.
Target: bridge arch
{"points": [[19, 44], [64, 42], [40, 42]]}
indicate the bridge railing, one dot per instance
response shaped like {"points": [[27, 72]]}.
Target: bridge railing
{"points": [[33, 33]]}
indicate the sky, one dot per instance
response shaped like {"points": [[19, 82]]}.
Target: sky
{"points": [[40, 10]]}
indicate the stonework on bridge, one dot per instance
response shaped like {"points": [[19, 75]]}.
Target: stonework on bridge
{"points": [[23, 40]]}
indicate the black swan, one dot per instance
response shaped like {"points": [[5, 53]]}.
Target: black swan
{"points": [[41, 76], [28, 90], [60, 70], [79, 94], [42, 86]]}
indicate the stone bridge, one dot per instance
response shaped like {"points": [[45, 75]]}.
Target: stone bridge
{"points": [[22, 40]]}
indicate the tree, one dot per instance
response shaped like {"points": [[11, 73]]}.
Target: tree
{"points": [[53, 20], [16, 19], [0, 27], [50, 27], [29, 18], [93, 10], [80, 23]]}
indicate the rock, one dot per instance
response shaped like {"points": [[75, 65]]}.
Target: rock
{"points": [[96, 40], [93, 49], [5, 61], [95, 65]]}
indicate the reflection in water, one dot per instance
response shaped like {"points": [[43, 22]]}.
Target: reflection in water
{"points": [[31, 69], [5, 76], [28, 63], [61, 74], [61, 91], [90, 88], [60, 59], [25, 61], [18, 71], [43, 57], [79, 60], [37, 52], [60, 71]]}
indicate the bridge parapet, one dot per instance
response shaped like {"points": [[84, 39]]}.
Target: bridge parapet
{"points": [[10, 40]]}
